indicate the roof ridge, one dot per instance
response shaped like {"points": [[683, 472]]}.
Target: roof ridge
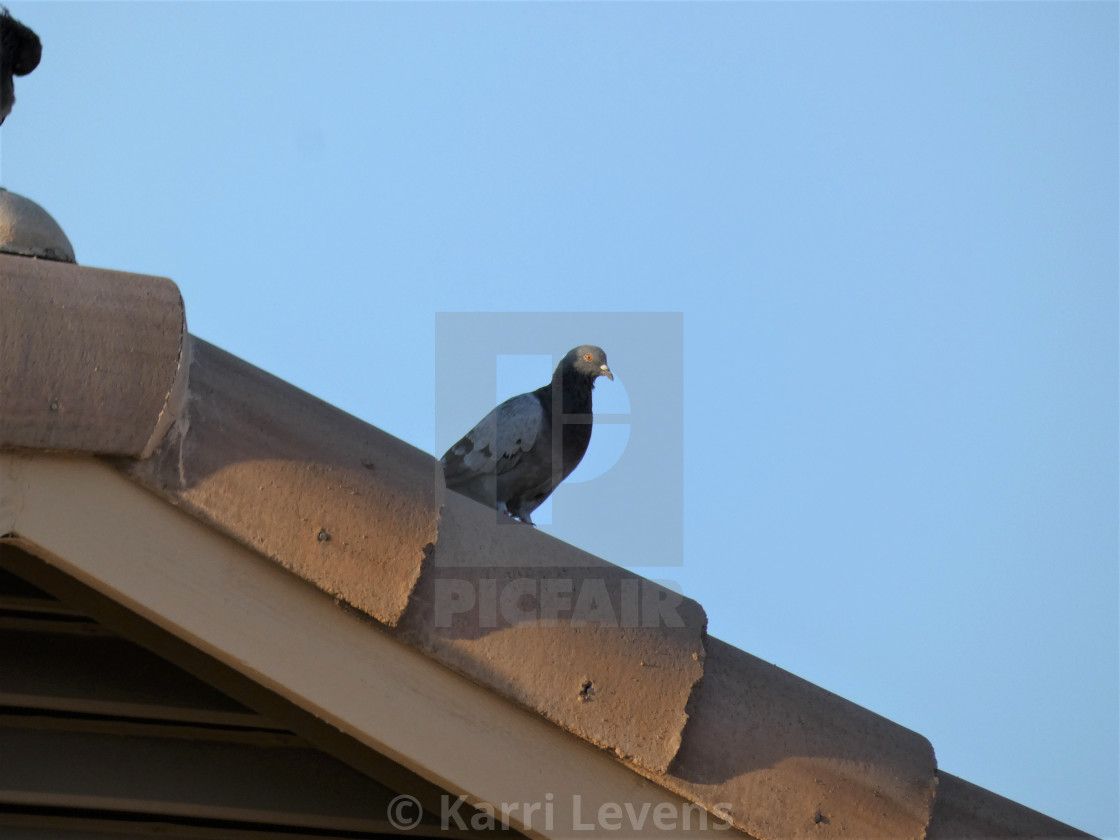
{"points": [[100, 362]]}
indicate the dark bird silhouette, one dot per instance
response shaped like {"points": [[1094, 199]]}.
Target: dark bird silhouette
{"points": [[521, 451], [20, 51]]}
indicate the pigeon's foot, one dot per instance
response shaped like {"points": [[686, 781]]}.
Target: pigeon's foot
{"points": [[515, 515]]}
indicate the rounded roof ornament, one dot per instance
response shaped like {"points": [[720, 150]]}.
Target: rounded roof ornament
{"points": [[26, 229]]}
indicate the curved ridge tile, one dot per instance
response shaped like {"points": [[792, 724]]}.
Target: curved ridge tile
{"points": [[90, 360], [598, 650], [342, 504], [788, 760], [964, 811]]}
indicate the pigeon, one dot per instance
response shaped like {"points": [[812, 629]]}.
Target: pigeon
{"points": [[513, 459]]}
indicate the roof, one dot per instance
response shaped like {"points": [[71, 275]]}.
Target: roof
{"points": [[323, 559]]}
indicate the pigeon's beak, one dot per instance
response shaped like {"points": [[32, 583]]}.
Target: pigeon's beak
{"points": [[606, 371]]}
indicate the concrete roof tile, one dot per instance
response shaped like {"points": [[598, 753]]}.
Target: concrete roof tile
{"points": [[90, 360], [343, 505], [964, 811], [795, 761], [599, 650]]}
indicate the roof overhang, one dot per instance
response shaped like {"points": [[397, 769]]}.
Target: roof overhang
{"points": [[85, 519]]}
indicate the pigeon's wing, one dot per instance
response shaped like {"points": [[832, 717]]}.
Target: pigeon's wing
{"points": [[497, 443]]}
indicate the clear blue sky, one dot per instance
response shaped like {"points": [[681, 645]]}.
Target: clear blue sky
{"points": [[890, 228]]}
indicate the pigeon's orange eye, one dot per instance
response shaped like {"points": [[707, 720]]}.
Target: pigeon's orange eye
{"points": [[587, 357]]}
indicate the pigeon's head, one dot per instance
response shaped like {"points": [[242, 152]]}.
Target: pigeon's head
{"points": [[588, 360]]}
